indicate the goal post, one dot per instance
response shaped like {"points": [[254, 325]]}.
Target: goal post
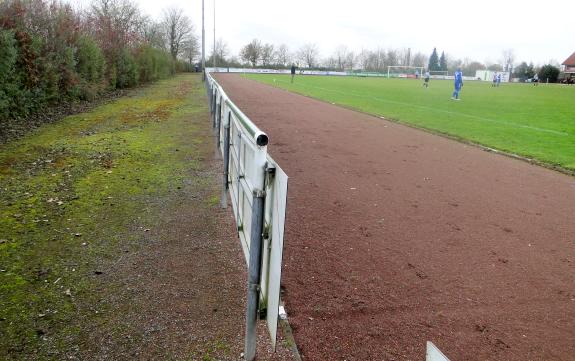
{"points": [[404, 71]]}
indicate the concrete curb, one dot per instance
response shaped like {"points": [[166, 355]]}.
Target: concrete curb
{"points": [[288, 335]]}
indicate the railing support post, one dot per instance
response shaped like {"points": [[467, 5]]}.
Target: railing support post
{"points": [[226, 148], [213, 108], [254, 274]]}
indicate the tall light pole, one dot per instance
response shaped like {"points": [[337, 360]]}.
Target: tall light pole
{"points": [[203, 45], [214, 34]]}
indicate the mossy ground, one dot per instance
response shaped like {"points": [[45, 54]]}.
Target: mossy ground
{"points": [[74, 197]]}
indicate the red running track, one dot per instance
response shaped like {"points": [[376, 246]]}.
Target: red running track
{"points": [[395, 236]]}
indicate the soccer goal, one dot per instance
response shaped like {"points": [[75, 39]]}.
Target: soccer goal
{"points": [[404, 71], [439, 74]]}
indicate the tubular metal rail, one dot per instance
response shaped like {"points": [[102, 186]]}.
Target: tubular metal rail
{"points": [[257, 188]]}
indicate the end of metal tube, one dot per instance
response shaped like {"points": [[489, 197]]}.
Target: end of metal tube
{"points": [[262, 140]]}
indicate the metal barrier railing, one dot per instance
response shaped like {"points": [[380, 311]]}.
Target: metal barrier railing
{"points": [[257, 189]]}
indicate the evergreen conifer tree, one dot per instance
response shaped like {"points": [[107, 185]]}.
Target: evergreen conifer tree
{"points": [[433, 61], [442, 62]]}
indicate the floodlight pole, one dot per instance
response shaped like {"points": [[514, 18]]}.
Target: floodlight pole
{"points": [[203, 45], [214, 35]]}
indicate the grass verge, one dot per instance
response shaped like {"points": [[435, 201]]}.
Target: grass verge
{"points": [[74, 197]]}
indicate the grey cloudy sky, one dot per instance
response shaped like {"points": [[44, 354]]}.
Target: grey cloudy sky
{"points": [[476, 30]]}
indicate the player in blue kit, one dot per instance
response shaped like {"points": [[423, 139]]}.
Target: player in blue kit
{"points": [[458, 84]]}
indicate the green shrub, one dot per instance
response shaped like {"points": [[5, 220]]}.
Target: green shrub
{"points": [[90, 63], [90, 67], [9, 85], [126, 70], [548, 73], [47, 56], [112, 76], [153, 63], [69, 79]]}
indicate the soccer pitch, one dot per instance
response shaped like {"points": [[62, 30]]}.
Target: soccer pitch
{"points": [[535, 122]]}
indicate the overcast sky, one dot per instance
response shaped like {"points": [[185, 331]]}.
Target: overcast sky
{"points": [[463, 29]]}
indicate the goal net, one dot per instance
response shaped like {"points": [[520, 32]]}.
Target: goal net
{"points": [[403, 71]]}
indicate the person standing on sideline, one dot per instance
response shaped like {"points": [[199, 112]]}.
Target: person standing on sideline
{"points": [[494, 80], [498, 79], [426, 79], [458, 84], [292, 72], [535, 79]]}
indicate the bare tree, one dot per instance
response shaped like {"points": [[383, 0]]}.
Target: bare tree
{"points": [[363, 59], [350, 60], [402, 56], [471, 67], [392, 57], [380, 59], [330, 62], [152, 33], [178, 28], [341, 55], [252, 52], [371, 62], [308, 54], [191, 49], [508, 59], [267, 54], [115, 24], [376, 60], [453, 64], [222, 51], [282, 55], [419, 59], [494, 67]]}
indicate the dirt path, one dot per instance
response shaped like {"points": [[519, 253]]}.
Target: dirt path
{"points": [[181, 296], [395, 236]]}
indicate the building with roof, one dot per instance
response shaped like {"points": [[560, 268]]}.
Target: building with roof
{"points": [[569, 66]]}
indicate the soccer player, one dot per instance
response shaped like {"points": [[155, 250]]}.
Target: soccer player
{"points": [[494, 80], [535, 79], [426, 80], [498, 79], [292, 72], [458, 84]]}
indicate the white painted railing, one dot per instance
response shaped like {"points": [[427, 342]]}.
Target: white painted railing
{"points": [[257, 189]]}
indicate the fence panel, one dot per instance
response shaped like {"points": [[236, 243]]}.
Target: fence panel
{"points": [[275, 208], [250, 172]]}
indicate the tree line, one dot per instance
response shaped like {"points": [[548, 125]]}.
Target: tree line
{"points": [[259, 54], [50, 53]]}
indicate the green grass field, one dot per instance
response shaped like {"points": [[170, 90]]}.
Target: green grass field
{"points": [[535, 122]]}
